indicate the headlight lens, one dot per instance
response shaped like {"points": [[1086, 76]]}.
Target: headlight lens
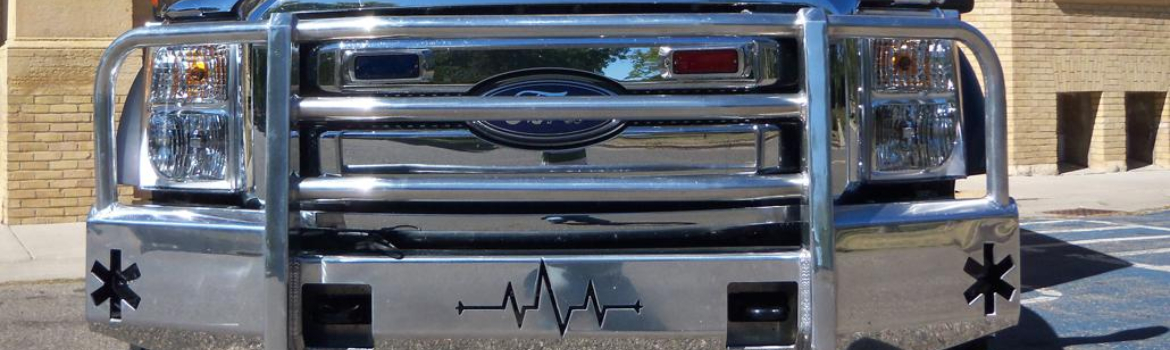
{"points": [[193, 139], [189, 145], [915, 116], [913, 136]]}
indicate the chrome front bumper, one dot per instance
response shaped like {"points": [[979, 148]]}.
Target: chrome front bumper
{"points": [[903, 275], [900, 282]]}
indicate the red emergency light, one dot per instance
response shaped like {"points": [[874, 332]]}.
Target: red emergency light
{"points": [[716, 61]]}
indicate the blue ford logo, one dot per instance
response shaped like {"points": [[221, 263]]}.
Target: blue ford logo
{"points": [[547, 134]]}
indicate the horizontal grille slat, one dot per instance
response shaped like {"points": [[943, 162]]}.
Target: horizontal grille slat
{"points": [[551, 189], [654, 107]]}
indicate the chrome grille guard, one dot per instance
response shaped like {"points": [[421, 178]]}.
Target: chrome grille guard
{"points": [[811, 26]]}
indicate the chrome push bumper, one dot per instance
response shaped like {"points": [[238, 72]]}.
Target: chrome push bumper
{"points": [[905, 275]]}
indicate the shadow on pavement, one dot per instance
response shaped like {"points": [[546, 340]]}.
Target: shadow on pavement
{"points": [[1048, 261], [1034, 333]]}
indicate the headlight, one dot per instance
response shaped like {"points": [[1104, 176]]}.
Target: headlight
{"points": [[193, 130], [189, 146], [915, 114], [911, 136]]}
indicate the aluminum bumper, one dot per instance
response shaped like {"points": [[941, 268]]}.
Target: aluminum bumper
{"points": [[901, 281]]}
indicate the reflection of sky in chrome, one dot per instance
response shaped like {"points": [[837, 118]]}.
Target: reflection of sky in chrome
{"points": [[618, 68], [622, 68]]}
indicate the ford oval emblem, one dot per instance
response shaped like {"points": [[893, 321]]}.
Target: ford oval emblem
{"points": [[547, 134]]}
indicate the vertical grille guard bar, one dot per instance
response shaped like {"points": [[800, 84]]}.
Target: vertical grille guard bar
{"points": [[281, 34], [819, 322]]}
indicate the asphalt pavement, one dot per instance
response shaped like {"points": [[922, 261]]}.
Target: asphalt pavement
{"points": [[1094, 283], [1089, 283], [47, 315]]}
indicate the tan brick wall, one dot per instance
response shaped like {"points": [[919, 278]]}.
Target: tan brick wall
{"points": [[47, 68], [50, 129], [1054, 46], [4, 134]]}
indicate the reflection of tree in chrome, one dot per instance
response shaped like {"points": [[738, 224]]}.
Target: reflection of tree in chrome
{"points": [[645, 62]]}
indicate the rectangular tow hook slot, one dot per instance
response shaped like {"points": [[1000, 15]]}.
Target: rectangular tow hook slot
{"points": [[760, 314], [337, 316]]}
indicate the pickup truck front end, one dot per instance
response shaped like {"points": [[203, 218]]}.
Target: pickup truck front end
{"points": [[691, 175]]}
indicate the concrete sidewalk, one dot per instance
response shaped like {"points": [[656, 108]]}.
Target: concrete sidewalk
{"points": [[48, 252], [42, 252], [1130, 192]]}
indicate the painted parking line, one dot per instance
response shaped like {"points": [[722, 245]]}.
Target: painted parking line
{"points": [[1097, 241], [1098, 232], [1043, 295], [1070, 226], [1111, 260], [1148, 227], [1086, 229], [1048, 222], [1162, 268], [1140, 252]]}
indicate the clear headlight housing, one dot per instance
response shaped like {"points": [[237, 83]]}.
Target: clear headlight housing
{"points": [[915, 116], [193, 138], [911, 136]]}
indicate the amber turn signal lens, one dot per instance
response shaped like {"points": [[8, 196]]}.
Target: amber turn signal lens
{"points": [[913, 65], [189, 75], [197, 73], [720, 61]]}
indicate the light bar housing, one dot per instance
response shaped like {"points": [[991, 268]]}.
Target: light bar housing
{"points": [[913, 121], [192, 125]]}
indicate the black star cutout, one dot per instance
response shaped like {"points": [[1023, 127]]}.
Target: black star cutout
{"points": [[115, 284], [989, 279]]}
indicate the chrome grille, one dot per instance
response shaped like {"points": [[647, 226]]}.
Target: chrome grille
{"points": [[637, 150], [637, 64]]}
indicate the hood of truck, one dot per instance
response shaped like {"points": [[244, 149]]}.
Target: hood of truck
{"points": [[260, 9]]}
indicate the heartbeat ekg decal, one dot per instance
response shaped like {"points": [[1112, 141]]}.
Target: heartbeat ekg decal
{"points": [[543, 284]]}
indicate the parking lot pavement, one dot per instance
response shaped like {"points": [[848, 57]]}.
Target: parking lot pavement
{"points": [[47, 315], [1094, 283], [1099, 283]]}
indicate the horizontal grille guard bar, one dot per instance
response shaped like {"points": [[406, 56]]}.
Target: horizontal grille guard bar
{"points": [[448, 109], [551, 26], [544, 189]]}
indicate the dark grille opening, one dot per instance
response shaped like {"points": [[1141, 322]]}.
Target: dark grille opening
{"points": [[779, 150], [390, 240], [337, 316], [761, 314]]}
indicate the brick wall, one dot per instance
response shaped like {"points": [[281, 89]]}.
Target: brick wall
{"points": [[47, 67], [49, 140], [1054, 46]]}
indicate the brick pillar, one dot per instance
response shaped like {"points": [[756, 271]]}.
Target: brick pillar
{"points": [[1107, 148], [1162, 144], [4, 129], [47, 68]]}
